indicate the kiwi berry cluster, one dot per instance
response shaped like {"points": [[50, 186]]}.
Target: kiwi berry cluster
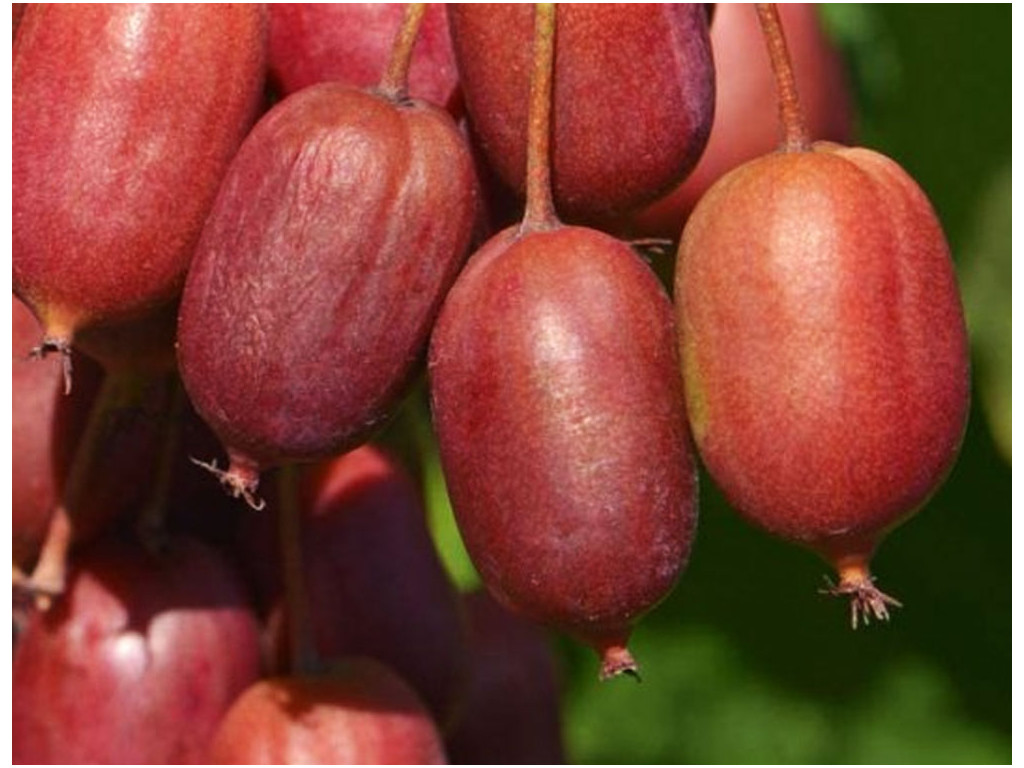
{"points": [[244, 236]]}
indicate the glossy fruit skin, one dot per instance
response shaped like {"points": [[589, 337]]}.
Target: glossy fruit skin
{"points": [[137, 663], [375, 584], [512, 714], [124, 119], [746, 121], [561, 426], [823, 344], [351, 43], [362, 713], [338, 229], [633, 97]]}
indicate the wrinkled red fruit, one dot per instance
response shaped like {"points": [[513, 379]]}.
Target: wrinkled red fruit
{"points": [[824, 350], [511, 715], [351, 43], [124, 119], [46, 426], [375, 584], [633, 97], [137, 663], [341, 223], [560, 418], [360, 713], [746, 122]]}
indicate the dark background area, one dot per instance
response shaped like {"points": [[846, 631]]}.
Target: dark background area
{"points": [[746, 662]]}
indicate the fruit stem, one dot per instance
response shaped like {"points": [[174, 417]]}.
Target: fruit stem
{"points": [[304, 657], [152, 519], [616, 660], [395, 82], [48, 578], [540, 207], [795, 136]]}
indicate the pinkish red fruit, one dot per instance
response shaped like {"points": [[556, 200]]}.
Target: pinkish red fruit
{"points": [[339, 228], [137, 663], [633, 97], [360, 713], [824, 350], [350, 43], [746, 123], [561, 425], [124, 118]]}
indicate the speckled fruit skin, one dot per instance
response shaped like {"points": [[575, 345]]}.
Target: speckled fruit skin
{"points": [[124, 118], [362, 713], [137, 663], [824, 346], [746, 123], [351, 43], [340, 226], [561, 425], [633, 97]]}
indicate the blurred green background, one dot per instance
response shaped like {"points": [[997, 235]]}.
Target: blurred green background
{"points": [[746, 662]]}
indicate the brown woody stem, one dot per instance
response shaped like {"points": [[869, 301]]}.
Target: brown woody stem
{"points": [[304, 657], [540, 208], [795, 136], [48, 578], [395, 82]]}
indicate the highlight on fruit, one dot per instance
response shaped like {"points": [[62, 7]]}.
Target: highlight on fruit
{"points": [[300, 255]]}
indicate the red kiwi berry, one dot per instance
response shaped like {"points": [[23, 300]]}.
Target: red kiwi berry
{"points": [[561, 419], [823, 344], [360, 713], [512, 715], [125, 117], [138, 662], [360, 515], [745, 122], [350, 43], [341, 223], [633, 97]]}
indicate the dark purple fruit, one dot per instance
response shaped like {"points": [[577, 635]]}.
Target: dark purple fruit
{"points": [[511, 716]]}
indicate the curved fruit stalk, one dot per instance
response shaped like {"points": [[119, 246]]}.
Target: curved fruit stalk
{"points": [[109, 474], [374, 582], [350, 43], [824, 350], [633, 97], [746, 112], [511, 715], [138, 663], [124, 119], [362, 713], [338, 229], [560, 416]]}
